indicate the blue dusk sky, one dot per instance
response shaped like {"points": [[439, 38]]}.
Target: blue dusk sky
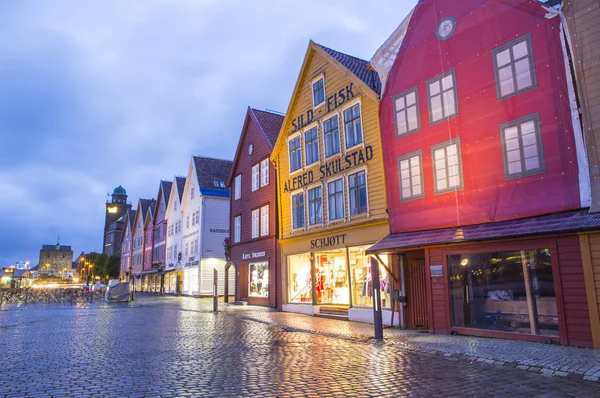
{"points": [[96, 94]]}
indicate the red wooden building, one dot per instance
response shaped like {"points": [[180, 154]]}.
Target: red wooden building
{"points": [[253, 211], [483, 177], [147, 269]]}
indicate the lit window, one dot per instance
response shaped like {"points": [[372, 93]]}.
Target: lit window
{"points": [[295, 149], [353, 126], [406, 108], [357, 191], [238, 187], [447, 167], [315, 205], [335, 195], [311, 143], [318, 88], [514, 67], [443, 99], [264, 220], [331, 136], [237, 228], [255, 222], [264, 173], [410, 170], [298, 210], [522, 147], [255, 177]]}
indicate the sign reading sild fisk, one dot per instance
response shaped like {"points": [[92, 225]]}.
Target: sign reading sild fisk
{"points": [[331, 168], [333, 101]]}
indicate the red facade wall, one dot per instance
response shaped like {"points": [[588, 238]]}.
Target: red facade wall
{"points": [[481, 26], [249, 201], [160, 225], [148, 246]]}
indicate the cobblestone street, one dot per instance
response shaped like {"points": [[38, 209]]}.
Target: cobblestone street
{"points": [[170, 346]]}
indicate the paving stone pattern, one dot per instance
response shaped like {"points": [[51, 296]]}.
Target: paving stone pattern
{"points": [[176, 347]]}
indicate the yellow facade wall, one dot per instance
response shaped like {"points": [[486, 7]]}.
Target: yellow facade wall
{"points": [[337, 79]]}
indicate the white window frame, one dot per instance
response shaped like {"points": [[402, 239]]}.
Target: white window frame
{"points": [[512, 62], [237, 187], [312, 90], [409, 158], [293, 212], [237, 229], [343, 218], [264, 220], [518, 123], [339, 139], [404, 111], [255, 223], [264, 172], [192, 190], [292, 138], [343, 119], [356, 171], [308, 189], [312, 142], [255, 177], [443, 96], [443, 145]]}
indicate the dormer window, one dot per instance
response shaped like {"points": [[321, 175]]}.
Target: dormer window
{"points": [[318, 89]]}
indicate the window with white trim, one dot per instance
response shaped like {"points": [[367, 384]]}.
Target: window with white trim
{"points": [[318, 88], [331, 136], [406, 109], [514, 67], [187, 221], [198, 217], [295, 149], [447, 166], [357, 190], [522, 147], [264, 220], [353, 126], [298, 210], [255, 177], [192, 191], [311, 145], [237, 229], [255, 222], [442, 97], [264, 173], [315, 205], [335, 199], [237, 187]]}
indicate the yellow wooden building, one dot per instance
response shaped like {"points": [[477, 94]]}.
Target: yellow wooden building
{"points": [[331, 189]]}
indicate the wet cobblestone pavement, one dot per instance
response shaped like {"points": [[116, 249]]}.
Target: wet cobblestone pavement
{"points": [[172, 347]]}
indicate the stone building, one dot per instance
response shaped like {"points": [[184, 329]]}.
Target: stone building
{"points": [[55, 260], [114, 219]]}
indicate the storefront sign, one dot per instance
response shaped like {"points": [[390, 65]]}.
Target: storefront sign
{"points": [[192, 263], [353, 159], [334, 240], [436, 270], [333, 101], [190, 234], [219, 231], [247, 256]]}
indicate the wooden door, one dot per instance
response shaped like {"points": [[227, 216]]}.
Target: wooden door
{"points": [[243, 281], [416, 292]]}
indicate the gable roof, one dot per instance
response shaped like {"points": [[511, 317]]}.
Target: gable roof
{"points": [[359, 67], [270, 125], [164, 193], [166, 186], [129, 216], [210, 173], [149, 213], [180, 182]]}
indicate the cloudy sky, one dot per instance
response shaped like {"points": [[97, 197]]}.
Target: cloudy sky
{"points": [[96, 94]]}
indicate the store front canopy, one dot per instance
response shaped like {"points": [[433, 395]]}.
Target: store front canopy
{"points": [[580, 220]]}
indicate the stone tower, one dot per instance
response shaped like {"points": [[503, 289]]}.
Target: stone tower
{"points": [[116, 208]]}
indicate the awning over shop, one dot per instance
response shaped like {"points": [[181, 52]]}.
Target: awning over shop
{"points": [[579, 220], [152, 271]]}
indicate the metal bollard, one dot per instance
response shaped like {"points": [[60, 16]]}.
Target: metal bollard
{"points": [[215, 291]]}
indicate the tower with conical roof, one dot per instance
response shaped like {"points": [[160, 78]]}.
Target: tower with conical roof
{"points": [[116, 208]]}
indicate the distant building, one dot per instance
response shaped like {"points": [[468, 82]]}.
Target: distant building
{"points": [[115, 210], [55, 260]]}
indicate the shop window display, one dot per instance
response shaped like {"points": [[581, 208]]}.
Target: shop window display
{"points": [[331, 277], [505, 291], [360, 272], [259, 279], [299, 279]]}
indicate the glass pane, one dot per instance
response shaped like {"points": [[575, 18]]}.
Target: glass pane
{"points": [[331, 277], [436, 108], [503, 57], [401, 122], [523, 74], [434, 88], [511, 132], [439, 154], [411, 99], [360, 277], [258, 275], [520, 50], [515, 168], [449, 103], [299, 279], [513, 156], [512, 144], [530, 151], [417, 189], [528, 127], [507, 85], [405, 192], [453, 181], [529, 139], [442, 184], [532, 163], [413, 121], [447, 82], [400, 103]]}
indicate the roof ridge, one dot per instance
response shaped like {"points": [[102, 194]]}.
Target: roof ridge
{"points": [[348, 55], [211, 158]]}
